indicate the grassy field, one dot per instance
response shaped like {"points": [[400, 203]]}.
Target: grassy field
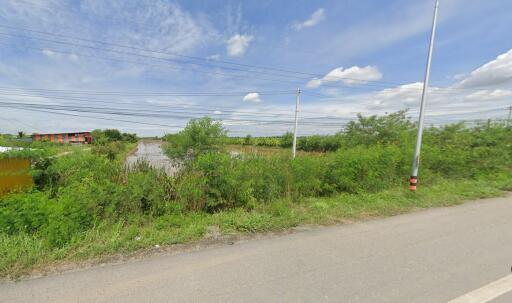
{"points": [[88, 205], [267, 150], [23, 254]]}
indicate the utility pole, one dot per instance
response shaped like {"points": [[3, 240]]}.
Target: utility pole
{"points": [[416, 161], [509, 115], [297, 101]]}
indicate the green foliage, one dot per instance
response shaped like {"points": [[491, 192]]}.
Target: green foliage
{"points": [[287, 140], [111, 142], [24, 213], [362, 169], [199, 136], [388, 129], [248, 140], [130, 138], [109, 149], [78, 191], [85, 197], [103, 137], [256, 141], [320, 143]]}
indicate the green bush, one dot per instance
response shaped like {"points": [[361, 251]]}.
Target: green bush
{"points": [[101, 137], [309, 176], [287, 140], [144, 192], [222, 186], [366, 169], [109, 149], [199, 136], [82, 189], [24, 212], [78, 191]]}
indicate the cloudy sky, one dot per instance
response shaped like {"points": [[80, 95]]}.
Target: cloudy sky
{"points": [[147, 66]]}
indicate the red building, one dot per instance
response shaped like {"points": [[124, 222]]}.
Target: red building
{"points": [[83, 137]]}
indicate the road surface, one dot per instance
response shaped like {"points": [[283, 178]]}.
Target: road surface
{"points": [[457, 254], [151, 152]]}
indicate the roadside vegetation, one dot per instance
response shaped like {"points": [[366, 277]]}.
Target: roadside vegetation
{"points": [[89, 205]]}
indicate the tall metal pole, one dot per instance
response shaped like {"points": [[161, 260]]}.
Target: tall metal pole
{"points": [[416, 161], [297, 101]]}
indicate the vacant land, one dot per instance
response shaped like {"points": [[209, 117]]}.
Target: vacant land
{"points": [[100, 208]]}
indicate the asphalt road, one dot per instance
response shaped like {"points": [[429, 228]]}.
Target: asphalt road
{"points": [[429, 256]]}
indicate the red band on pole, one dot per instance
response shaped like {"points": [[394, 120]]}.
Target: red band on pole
{"points": [[412, 183]]}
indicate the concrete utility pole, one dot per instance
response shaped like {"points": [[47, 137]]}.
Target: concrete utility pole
{"points": [[416, 161], [297, 101], [509, 115]]}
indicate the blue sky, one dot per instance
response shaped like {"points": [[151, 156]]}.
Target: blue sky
{"points": [[364, 56]]}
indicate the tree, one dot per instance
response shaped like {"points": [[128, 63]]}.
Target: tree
{"points": [[248, 140], [132, 138], [113, 135], [199, 136], [287, 140], [102, 137], [388, 129], [21, 134]]}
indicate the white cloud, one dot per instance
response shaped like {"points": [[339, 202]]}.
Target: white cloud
{"points": [[167, 26], [407, 95], [315, 18], [217, 112], [215, 57], [73, 57], [238, 44], [351, 76], [459, 76], [49, 53], [58, 55], [497, 71], [488, 95], [252, 97]]}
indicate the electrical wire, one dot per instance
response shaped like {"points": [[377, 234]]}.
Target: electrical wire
{"points": [[329, 78]]}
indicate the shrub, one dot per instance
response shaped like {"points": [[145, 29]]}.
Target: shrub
{"points": [[267, 178], [365, 169], [101, 137], [222, 186], [24, 213], [199, 136], [287, 140], [109, 149], [248, 140], [77, 191], [309, 177], [144, 192], [388, 129]]}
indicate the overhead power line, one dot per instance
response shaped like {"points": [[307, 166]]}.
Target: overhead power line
{"points": [[23, 123], [161, 116], [148, 93], [108, 101], [96, 57], [162, 52], [363, 86], [207, 62]]}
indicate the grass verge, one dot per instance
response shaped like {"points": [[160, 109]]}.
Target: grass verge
{"points": [[22, 254]]}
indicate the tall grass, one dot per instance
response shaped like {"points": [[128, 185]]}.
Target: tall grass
{"points": [[88, 204]]}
